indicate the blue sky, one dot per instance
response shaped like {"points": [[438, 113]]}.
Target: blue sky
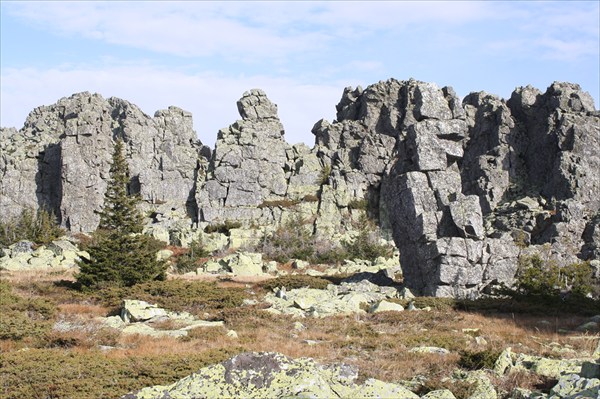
{"points": [[202, 56]]}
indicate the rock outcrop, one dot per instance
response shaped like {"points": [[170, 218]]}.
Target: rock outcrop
{"points": [[273, 375], [60, 159], [58, 255], [470, 185], [462, 188]]}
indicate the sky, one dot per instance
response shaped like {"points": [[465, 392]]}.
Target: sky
{"points": [[202, 56]]}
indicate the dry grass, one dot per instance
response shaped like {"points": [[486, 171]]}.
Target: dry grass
{"points": [[378, 344], [84, 309]]}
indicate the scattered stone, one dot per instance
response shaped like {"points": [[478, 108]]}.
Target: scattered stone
{"points": [[589, 326], [385, 306], [299, 326], [346, 298], [139, 317], [405, 293], [430, 349], [133, 311], [58, 255], [300, 264], [575, 386], [164, 254], [232, 334], [483, 387]]}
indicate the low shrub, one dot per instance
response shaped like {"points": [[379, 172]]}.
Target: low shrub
{"points": [[223, 228], [293, 240], [545, 278], [367, 244], [24, 317], [435, 303], [188, 261], [479, 359], [177, 295], [324, 174], [297, 281], [41, 227], [56, 373], [439, 339], [359, 204]]}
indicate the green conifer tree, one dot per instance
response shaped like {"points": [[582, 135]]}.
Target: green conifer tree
{"points": [[120, 209], [119, 254]]}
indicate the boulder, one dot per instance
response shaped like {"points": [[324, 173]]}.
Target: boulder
{"points": [[134, 310], [430, 349], [272, 375], [244, 264], [439, 394], [385, 306]]}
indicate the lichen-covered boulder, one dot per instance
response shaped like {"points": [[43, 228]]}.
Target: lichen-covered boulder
{"points": [[439, 394], [272, 375], [575, 386], [133, 310]]}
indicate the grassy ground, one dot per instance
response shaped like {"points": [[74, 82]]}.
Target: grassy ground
{"points": [[39, 359]]}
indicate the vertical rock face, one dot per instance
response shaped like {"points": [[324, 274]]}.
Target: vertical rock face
{"points": [[465, 185], [462, 187], [60, 159], [249, 165]]}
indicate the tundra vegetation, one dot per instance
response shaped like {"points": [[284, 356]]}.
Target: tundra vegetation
{"points": [[88, 360], [484, 197]]}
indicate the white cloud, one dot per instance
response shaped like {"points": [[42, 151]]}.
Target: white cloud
{"points": [[209, 96], [550, 30], [240, 29]]}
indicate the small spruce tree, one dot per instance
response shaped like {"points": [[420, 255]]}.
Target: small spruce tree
{"points": [[120, 209], [119, 254]]}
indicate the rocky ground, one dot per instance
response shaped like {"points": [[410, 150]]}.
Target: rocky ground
{"points": [[450, 199], [287, 334], [462, 187]]}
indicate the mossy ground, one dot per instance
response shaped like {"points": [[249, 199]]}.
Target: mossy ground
{"points": [[39, 362]]}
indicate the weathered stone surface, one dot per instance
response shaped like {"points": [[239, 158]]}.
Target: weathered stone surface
{"points": [[58, 255], [272, 375], [461, 187], [430, 349], [239, 264], [134, 310], [346, 298], [139, 317], [439, 394], [386, 306], [59, 160], [475, 175]]}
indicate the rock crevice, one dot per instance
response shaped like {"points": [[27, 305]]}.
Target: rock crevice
{"points": [[460, 186]]}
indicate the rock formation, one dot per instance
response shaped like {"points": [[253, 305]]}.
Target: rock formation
{"points": [[463, 188], [59, 160], [273, 375]]}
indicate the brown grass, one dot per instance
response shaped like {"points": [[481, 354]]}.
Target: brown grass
{"points": [[378, 344]]}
